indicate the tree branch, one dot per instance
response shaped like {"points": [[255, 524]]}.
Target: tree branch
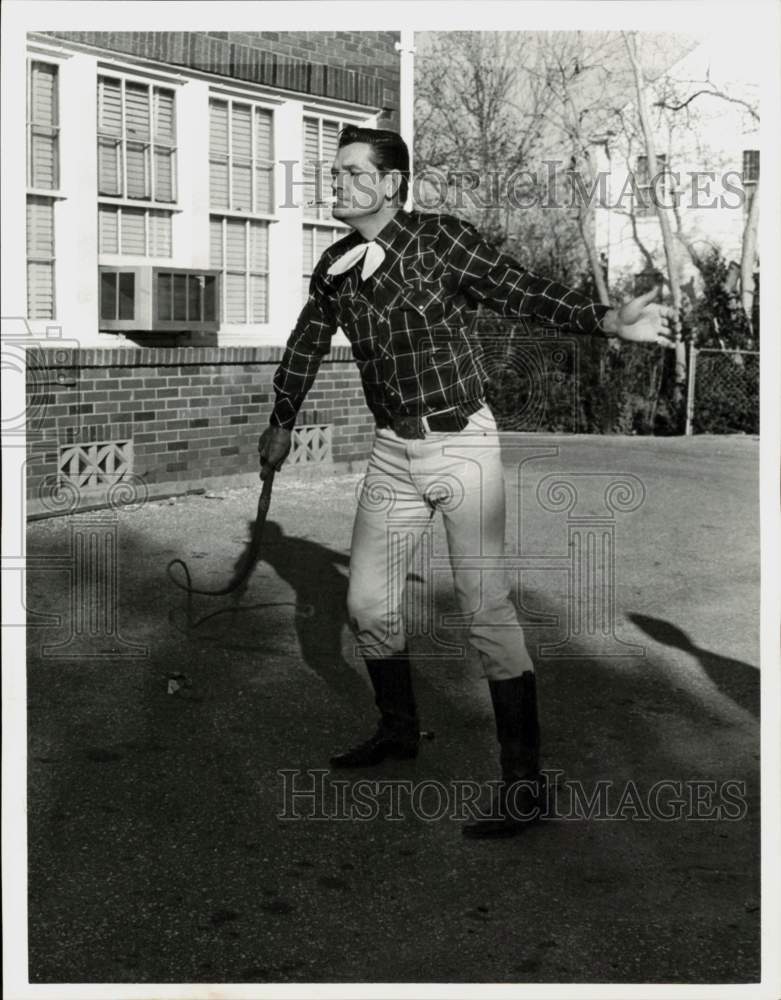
{"points": [[708, 93]]}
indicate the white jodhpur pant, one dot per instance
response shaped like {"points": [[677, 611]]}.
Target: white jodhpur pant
{"points": [[407, 481]]}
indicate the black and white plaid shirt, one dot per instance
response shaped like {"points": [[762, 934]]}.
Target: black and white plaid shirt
{"points": [[409, 322]]}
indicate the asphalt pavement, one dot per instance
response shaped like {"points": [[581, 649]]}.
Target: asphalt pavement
{"points": [[166, 846]]}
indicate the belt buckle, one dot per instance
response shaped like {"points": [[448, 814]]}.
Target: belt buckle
{"points": [[408, 427]]}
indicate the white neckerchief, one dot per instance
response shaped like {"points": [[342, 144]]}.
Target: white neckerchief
{"points": [[372, 253]]}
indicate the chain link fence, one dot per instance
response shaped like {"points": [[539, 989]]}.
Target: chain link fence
{"points": [[723, 392]]}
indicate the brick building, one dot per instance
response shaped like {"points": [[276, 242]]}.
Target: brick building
{"points": [[169, 244]]}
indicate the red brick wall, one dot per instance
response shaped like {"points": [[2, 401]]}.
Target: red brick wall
{"points": [[190, 413], [357, 66]]}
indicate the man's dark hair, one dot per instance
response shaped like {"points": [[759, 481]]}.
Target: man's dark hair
{"points": [[389, 151]]}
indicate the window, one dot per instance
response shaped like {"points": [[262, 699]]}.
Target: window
{"points": [[750, 176], [241, 157], [321, 136], [117, 295], [43, 166], [136, 162], [43, 174], [239, 249], [316, 240], [136, 140], [650, 190], [185, 297], [40, 258], [241, 184], [142, 232]]}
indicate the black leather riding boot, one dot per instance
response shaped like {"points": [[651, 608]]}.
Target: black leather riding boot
{"points": [[398, 733], [516, 803]]}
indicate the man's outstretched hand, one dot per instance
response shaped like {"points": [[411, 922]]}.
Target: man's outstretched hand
{"points": [[273, 448], [642, 320]]}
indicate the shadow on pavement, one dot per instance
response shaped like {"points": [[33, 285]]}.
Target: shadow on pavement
{"points": [[734, 678], [156, 851]]}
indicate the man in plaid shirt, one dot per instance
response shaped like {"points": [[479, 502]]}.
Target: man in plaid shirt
{"points": [[403, 286]]}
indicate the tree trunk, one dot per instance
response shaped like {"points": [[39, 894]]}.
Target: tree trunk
{"points": [[748, 258], [586, 227], [661, 212]]}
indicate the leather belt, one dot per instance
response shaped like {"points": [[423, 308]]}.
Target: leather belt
{"points": [[449, 421]]}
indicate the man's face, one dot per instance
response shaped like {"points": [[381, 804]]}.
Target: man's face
{"points": [[357, 184]]}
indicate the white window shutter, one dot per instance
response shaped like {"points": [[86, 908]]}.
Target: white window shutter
{"points": [[44, 160], [40, 254], [218, 154], [159, 234], [40, 227], [311, 155], [263, 135], [258, 246], [259, 298], [308, 244], [108, 240], [137, 133], [40, 290], [109, 107], [164, 175], [235, 245], [218, 185], [165, 140], [43, 96], [109, 136], [241, 150], [241, 138], [324, 238], [165, 125], [330, 140], [264, 157], [109, 174], [235, 298], [137, 111], [264, 189], [242, 187], [215, 243], [218, 128], [137, 171], [133, 241], [310, 139], [43, 126]]}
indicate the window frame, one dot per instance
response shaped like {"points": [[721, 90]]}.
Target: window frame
{"points": [[248, 273], [51, 261], [320, 223], [121, 203], [30, 126], [320, 117], [150, 147], [147, 210], [222, 215], [34, 193], [253, 104]]}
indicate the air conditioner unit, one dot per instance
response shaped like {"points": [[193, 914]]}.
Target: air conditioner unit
{"points": [[146, 299]]}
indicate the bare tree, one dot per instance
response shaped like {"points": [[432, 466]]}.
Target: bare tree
{"points": [[680, 100], [663, 213], [576, 68], [477, 120]]}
